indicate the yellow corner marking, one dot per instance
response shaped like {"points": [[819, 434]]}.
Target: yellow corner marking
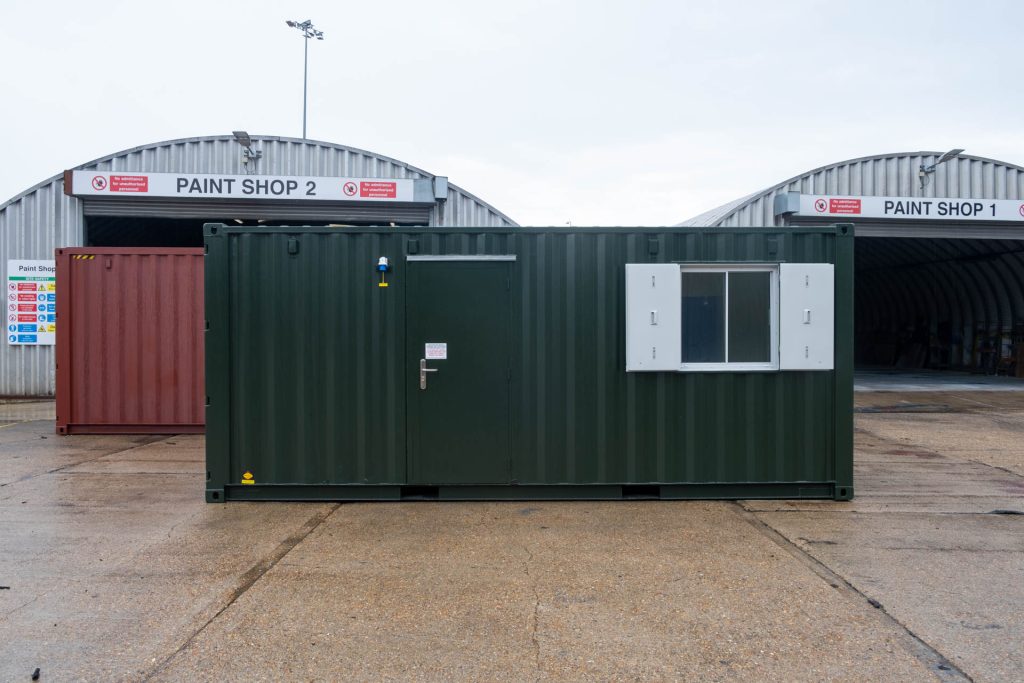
{"points": [[247, 478]]}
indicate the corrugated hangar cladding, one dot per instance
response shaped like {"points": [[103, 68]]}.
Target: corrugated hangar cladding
{"points": [[160, 195], [939, 253]]}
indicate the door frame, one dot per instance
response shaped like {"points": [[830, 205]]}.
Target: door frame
{"points": [[413, 449]]}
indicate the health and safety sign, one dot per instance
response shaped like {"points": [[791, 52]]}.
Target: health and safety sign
{"points": [[31, 303]]}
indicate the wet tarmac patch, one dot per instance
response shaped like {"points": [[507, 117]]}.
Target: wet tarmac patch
{"points": [[924, 455]]}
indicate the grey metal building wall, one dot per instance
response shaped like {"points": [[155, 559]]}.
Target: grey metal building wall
{"points": [[43, 218]]}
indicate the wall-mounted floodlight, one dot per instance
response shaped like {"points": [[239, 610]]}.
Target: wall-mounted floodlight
{"points": [[927, 169], [308, 31], [248, 153]]}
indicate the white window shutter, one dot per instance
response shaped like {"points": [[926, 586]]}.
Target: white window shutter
{"points": [[806, 316], [653, 317]]}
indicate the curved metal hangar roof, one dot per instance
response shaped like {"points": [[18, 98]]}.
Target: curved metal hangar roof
{"points": [[895, 177], [939, 251], [431, 200]]}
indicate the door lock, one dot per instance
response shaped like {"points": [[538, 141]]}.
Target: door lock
{"points": [[423, 373]]}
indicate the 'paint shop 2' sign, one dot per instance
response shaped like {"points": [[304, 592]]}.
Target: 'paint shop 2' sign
{"points": [[213, 186], [912, 208]]}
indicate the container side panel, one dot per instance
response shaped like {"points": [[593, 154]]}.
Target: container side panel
{"points": [[316, 363], [581, 419], [317, 369], [843, 411], [136, 346], [217, 334]]}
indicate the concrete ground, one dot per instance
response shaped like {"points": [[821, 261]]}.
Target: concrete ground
{"points": [[112, 568]]}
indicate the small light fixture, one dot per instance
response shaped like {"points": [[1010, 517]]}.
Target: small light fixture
{"points": [[248, 153], [926, 169], [383, 266]]}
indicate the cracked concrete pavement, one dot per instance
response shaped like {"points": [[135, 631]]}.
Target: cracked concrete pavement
{"points": [[116, 570]]}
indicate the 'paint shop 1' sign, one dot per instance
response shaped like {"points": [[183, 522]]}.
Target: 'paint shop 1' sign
{"points": [[213, 186], [913, 208]]}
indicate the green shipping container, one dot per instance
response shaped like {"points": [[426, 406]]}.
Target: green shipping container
{"points": [[525, 363]]}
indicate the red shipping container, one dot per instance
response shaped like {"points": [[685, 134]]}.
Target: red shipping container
{"points": [[130, 340]]}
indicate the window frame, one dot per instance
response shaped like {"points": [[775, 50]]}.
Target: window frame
{"points": [[773, 317]]}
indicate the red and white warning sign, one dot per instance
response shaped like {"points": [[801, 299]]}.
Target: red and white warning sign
{"points": [[129, 183], [378, 189], [843, 205]]}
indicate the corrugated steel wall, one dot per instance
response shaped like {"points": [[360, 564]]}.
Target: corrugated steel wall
{"points": [[315, 383], [130, 340], [41, 219], [583, 419], [32, 225]]}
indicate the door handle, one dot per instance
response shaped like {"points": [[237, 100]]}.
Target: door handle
{"points": [[423, 373]]}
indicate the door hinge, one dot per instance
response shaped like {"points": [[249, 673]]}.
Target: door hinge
{"points": [[508, 374], [508, 284]]}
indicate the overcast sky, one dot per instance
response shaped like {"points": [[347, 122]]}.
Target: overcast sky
{"points": [[599, 113]]}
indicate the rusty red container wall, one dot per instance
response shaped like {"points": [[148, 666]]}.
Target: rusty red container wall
{"points": [[130, 340]]}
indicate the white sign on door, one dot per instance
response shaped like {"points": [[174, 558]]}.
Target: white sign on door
{"points": [[435, 351], [31, 303]]}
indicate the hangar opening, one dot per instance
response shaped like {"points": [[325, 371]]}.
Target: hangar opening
{"points": [[939, 255], [939, 304]]}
